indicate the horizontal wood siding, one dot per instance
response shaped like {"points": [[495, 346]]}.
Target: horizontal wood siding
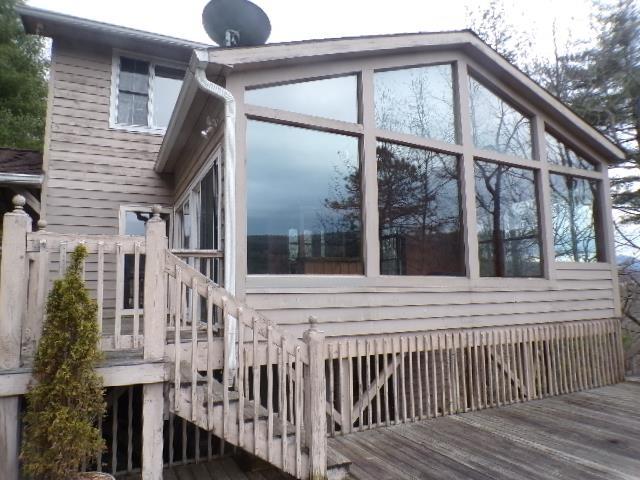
{"points": [[577, 294], [93, 169]]}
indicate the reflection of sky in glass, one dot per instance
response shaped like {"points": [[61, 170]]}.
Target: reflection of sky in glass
{"points": [[497, 125], [335, 98], [166, 88], [560, 154], [417, 101], [574, 228], [291, 173], [512, 247]]}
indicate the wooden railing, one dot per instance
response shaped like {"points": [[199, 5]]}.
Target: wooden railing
{"points": [[119, 319], [396, 379], [249, 386]]}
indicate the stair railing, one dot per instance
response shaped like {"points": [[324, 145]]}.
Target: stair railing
{"points": [[271, 389]]}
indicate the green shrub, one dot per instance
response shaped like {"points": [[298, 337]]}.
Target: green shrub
{"points": [[64, 406]]}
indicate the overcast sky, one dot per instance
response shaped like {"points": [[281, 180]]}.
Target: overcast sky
{"points": [[304, 19]]}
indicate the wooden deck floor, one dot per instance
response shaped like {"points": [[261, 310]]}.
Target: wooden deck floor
{"points": [[585, 435]]}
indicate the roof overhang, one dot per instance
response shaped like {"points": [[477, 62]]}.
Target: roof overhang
{"points": [[291, 53], [57, 25]]}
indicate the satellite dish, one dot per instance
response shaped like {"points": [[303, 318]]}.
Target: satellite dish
{"points": [[236, 23]]}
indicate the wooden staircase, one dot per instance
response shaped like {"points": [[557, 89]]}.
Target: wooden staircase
{"points": [[237, 375]]}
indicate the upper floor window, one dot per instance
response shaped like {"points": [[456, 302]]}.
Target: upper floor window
{"points": [[496, 124], [559, 153], [417, 101], [145, 93], [335, 98]]}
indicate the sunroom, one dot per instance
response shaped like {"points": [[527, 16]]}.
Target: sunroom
{"points": [[357, 170]]}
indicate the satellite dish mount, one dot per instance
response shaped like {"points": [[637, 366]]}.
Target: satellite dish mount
{"points": [[236, 23]]}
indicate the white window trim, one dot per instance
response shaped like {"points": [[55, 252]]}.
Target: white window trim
{"points": [[115, 79]]}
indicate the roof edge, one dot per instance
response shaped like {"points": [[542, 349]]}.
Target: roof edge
{"points": [[43, 15]]}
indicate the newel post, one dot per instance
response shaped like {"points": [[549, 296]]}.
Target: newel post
{"points": [[13, 307], [155, 300], [315, 420]]}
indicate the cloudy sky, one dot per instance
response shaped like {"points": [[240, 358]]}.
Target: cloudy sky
{"points": [[304, 19]]}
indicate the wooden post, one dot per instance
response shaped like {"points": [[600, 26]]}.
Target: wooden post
{"points": [[155, 299], [315, 420], [13, 307]]}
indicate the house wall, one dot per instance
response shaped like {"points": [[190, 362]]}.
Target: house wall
{"points": [[91, 169], [374, 304]]}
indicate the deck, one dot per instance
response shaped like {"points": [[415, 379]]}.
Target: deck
{"points": [[587, 435]]}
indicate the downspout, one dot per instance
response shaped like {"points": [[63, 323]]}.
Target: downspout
{"points": [[229, 159]]}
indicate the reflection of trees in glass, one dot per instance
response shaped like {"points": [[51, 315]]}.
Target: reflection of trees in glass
{"points": [[419, 212], [417, 101], [560, 154], [507, 218], [496, 125], [574, 219]]}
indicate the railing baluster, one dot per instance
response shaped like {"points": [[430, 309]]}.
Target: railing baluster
{"points": [[411, 392], [298, 412], [360, 388], [225, 371], [100, 285], [270, 365], [332, 427], [403, 383], [434, 371], [368, 379], [283, 400], [385, 347], [427, 381], [210, 358], [195, 303], [136, 294], [378, 386], [256, 385], [117, 326], [241, 379], [177, 343]]}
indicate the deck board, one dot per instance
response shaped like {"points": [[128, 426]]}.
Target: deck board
{"points": [[586, 435]]}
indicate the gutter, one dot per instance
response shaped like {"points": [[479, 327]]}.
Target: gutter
{"points": [[229, 159], [201, 58], [26, 179]]}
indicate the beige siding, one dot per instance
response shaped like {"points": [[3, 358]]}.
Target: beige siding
{"points": [[578, 294], [91, 168]]}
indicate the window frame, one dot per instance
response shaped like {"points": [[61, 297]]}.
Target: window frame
{"points": [[367, 131], [115, 81]]}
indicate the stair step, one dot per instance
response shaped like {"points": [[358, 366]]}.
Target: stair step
{"points": [[337, 465], [270, 450]]}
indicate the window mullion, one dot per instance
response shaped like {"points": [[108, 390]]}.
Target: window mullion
{"points": [[467, 178], [544, 199], [371, 240]]}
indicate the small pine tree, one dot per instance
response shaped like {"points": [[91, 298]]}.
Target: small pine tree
{"points": [[62, 409]]}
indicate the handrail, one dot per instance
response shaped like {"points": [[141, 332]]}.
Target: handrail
{"points": [[295, 370], [193, 252]]}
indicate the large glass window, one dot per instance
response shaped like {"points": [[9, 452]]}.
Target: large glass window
{"points": [[559, 153], [417, 101], [497, 125], [507, 217], [335, 98], [303, 201], [575, 220], [419, 212], [147, 93]]}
